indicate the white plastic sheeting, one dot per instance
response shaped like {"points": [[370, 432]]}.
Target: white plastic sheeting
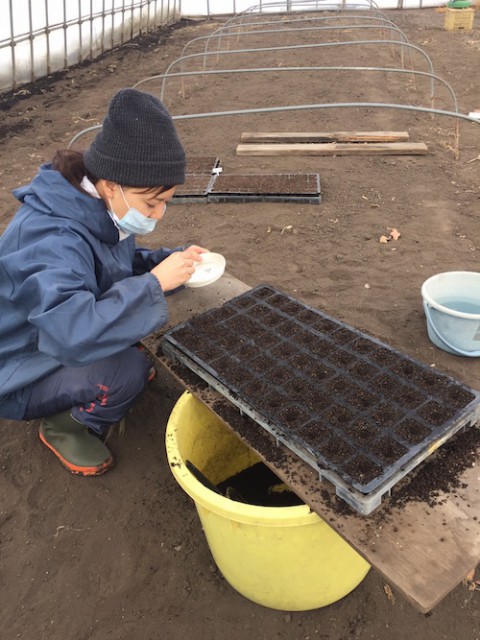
{"points": [[222, 7], [39, 37]]}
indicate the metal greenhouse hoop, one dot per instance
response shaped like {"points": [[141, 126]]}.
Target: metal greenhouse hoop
{"points": [[391, 27], [180, 60], [291, 6], [338, 105], [312, 68]]}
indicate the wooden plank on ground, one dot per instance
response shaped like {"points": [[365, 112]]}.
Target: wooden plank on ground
{"points": [[422, 551], [333, 149], [326, 136]]}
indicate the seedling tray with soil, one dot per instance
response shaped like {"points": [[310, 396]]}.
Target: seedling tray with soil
{"points": [[202, 164], [289, 187], [361, 413], [200, 176]]}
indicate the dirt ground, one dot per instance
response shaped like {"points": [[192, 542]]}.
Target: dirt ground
{"points": [[123, 557]]}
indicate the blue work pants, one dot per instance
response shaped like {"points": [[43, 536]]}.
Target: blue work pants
{"points": [[98, 394]]}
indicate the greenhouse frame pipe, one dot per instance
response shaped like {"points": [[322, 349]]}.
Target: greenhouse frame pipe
{"points": [[11, 42], [91, 28], [259, 8], [292, 47], [315, 68], [47, 39], [249, 17], [360, 14], [403, 38], [292, 3], [294, 30], [336, 7], [218, 32], [112, 31], [251, 11], [30, 25], [66, 24], [65, 39], [338, 105], [54, 27], [130, 37], [385, 24], [80, 25], [307, 14], [305, 46]]}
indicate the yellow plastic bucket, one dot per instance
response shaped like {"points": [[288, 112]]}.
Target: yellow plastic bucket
{"points": [[285, 558]]}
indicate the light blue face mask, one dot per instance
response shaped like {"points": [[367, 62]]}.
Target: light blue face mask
{"points": [[134, 222]]}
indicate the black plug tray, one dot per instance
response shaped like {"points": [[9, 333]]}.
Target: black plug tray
{"points": [[361, 413]]}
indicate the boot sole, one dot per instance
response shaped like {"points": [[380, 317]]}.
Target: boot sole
{"points": [[75, 469]]}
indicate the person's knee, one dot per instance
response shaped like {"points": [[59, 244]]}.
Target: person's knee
{"points": [[133, 372]]}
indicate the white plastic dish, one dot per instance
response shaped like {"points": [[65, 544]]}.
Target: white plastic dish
{"points": [[210, 269]]}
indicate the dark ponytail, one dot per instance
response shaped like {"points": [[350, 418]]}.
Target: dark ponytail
{"points": [[72, 167]]}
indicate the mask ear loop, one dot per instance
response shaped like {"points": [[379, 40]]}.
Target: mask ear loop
{"points": [[115, 217], [123, 194], [111, 206]]}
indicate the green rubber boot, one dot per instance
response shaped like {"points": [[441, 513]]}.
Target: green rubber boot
{"points": [[77, 449]]}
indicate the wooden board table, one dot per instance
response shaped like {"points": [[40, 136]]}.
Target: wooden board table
{"points": [[422, 551]]}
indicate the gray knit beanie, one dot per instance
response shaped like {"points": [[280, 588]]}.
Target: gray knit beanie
{"points": [[137, 145]]}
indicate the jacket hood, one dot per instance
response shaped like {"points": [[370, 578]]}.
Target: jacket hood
{"points": [[51, 194]]}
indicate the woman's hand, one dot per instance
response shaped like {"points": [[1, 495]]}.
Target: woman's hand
{"points": [[178, 267]]}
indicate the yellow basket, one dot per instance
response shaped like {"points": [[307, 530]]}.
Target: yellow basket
{"points": [[285, 558], [456, 19]]}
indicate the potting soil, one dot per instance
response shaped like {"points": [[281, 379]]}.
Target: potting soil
{"points": [[258, 485]]}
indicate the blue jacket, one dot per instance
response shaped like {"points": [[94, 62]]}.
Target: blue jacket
{"points": [[70, 292]]}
